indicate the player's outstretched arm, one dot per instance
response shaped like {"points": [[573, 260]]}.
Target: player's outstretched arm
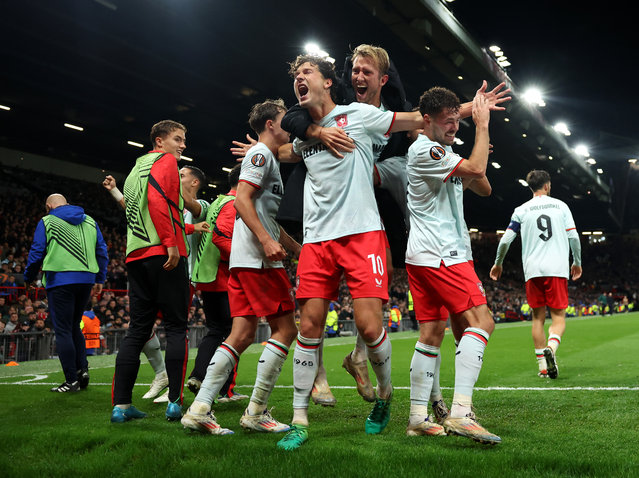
{"points": [[495, 97], [241, 149], [285, 154], [495, 272], [475, 166], [111, 186], [289, 243], [335, 139]]}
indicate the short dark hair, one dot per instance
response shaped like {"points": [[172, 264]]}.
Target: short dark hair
{"points": [[325, 67], [164, 128], [234, 175], [537, 178], [197, 172], [438, 99], [262, 112]]}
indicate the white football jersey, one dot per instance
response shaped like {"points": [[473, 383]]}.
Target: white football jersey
{"points": [[438, 231], [261, 169], [544, 224], [338, 193]]}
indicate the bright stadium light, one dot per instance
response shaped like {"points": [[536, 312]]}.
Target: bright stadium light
{"points": [[186, 158], [591, 161], [473, 229], [582, 150], [226, 170], [72, 126], [600, 171], [533, 96], [6, 108], [458, 141], [586, 233], [494, 48], [496, 165], [312, 48], [211, 185], [523, 182], [136, 144], [501, 231], [632, 160], [562, 128]]}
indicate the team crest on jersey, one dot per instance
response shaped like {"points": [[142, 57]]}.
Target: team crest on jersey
{"points": [[258, 160], [341, 120], [437, 152], [480, 286]]}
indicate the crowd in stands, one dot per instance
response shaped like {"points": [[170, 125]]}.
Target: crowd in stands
{"points": [[608, 271]]}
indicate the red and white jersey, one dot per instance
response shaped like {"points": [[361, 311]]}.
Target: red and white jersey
{"points": [[261, 169], [438, 231], [545, 223], [339, 199]]}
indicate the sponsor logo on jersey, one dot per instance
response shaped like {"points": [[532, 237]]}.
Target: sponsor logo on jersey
{"points": [[378, 283], [437, 152], [341, 121], [453, 253], [481, 288], [311, 150], [258, 160]]}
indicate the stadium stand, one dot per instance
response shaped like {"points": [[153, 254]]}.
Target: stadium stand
{"points": [[606, 261]]}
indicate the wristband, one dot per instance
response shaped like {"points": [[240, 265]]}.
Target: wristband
{"points": [[117, 195]]}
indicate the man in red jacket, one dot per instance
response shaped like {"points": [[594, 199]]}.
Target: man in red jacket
{"points": [[157, 269]]}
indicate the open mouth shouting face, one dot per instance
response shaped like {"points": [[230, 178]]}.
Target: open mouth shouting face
{"points": [[367, 81], [309, 85]]}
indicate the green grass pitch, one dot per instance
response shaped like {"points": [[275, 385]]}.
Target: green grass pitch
{"points": [[582, 424]]}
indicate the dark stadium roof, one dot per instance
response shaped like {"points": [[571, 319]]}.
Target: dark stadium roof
{"points": [[115, 67]]}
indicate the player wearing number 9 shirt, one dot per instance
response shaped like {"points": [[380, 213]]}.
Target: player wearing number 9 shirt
{"points": [[547, 231]]}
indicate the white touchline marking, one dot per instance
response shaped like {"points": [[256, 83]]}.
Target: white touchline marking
{"points": [[348, 387]]}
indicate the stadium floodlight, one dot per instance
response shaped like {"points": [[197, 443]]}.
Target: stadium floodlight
{"points": [[473, 229], [591, 161], [186, 158], [632, 160], [312, 48], [586, 233], [505, 64], [523, 182], [600, 171], [533, 96], [597, 233], [458, 141], [460, 77], [136, 144], [499, 53], [72, 126], [507, 120], [211, 185], [501, 231], [494, 48], [582, 150], [6, 108], [562, 128], [226, 170], [496, 165]]}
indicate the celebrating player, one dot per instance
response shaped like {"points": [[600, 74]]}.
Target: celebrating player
{"points": [[258, 284], [441, 278], [547, 231]]}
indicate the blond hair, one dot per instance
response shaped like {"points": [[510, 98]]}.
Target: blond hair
{"points": [[375, 53]]}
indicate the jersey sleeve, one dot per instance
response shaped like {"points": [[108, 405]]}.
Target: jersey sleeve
{"points": [[391, 169], [569, 222], [432, 161], [375, 120], [254, 168], [515, 222]]}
